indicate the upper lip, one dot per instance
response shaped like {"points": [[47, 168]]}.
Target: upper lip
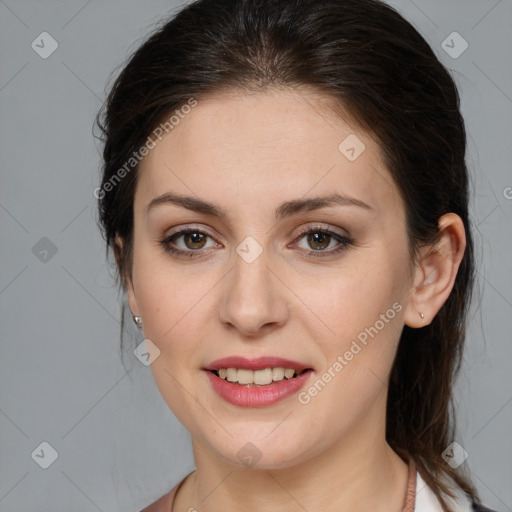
{"points": [[259, 363]]}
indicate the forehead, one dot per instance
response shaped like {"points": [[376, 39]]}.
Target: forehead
{"points": [[270, 146]]}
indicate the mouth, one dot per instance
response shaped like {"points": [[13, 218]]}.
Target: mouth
{"points": [[244, 387], [261, 371]]}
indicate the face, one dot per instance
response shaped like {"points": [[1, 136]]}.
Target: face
{"points": [[321, 285]]}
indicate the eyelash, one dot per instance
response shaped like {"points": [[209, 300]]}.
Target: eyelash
{"points": [[344, 242]]}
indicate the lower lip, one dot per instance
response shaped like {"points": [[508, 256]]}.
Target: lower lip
{"points": [[257, 396]]}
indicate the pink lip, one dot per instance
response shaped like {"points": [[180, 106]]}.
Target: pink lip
{"points": [[256, 396], [259, 363]]}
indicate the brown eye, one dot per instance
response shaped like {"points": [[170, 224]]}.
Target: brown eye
{"points": [[318, 240], [194, 240]]}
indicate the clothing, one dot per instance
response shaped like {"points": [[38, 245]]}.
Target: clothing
{"points": [[418, 497]]}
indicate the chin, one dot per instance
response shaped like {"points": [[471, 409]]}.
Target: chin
{"points": [[263, 453]]}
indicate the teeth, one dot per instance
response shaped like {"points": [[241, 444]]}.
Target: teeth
{"points": [[258, 377], [245, 377], [277, 374], [288, 373], [232, 374]]}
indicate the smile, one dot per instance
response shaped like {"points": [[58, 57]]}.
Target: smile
{"points": [[263, 377]]}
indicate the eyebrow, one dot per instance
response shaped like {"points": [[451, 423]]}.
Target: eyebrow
{"points": [[285, 209]]}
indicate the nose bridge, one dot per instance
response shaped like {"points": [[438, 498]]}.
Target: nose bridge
{"points": [[252, 298]]}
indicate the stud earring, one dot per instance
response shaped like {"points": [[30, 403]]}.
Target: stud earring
{"points": [[138, 321], [422, 315]]}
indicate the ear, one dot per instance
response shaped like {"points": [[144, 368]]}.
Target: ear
{"points": [[127, 282], [436, 272]]}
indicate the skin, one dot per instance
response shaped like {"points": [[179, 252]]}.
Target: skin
{"points": [[247, 154]]}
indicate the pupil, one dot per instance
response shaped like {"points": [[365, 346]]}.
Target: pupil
{"points": [[319, 238], [196, 239]]}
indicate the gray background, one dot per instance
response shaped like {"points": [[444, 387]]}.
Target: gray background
{"points": [[61, 377]]}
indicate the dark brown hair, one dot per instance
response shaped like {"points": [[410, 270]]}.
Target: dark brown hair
{"points": [[379, 69]]}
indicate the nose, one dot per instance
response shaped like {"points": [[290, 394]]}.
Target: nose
{"points": [[254, 300]]}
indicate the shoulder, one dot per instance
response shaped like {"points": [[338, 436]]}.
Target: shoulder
{"points": [[426, 500], [162, 504]]}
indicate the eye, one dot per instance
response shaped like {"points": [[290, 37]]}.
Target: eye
{"points": [[320, 238], [194, 240]]}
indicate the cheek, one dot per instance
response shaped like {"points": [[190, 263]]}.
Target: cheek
{"points": [[364, 312], [173, 317], [357, 298], [168, 309], [172, 301]]}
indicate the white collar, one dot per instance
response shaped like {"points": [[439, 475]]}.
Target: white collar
{"points": [[426, 500]]}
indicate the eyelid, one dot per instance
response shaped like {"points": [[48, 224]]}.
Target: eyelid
{"points": [[321, 227], [190, 227]]}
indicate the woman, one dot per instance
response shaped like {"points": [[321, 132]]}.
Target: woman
{"points": [[285, 192]]}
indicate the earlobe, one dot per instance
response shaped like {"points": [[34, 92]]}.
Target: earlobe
{"points": [[132, 301], [436, 272]]}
